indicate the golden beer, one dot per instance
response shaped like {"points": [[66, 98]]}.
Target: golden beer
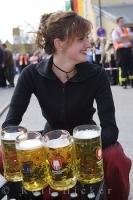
{"points": [[10, 162], [88, 150], [60, 160], [32, 160]]}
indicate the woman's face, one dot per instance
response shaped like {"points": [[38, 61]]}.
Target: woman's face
{"points": [[76, 50]]}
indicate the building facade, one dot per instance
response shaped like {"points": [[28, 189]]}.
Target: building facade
{"points": [[103, 13]]}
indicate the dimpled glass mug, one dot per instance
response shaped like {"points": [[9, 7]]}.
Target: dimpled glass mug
{"points": [[88, 153], [11, 165], [32, 159], [60, 159]]}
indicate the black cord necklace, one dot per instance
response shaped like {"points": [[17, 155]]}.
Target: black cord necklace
{"points": [[67, 77]]}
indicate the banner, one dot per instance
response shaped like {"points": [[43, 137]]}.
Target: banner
{"points": [[78, 6], [68, 5]]}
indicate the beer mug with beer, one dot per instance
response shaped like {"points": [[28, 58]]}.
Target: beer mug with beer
{"points": [[32, 159], [60, 159], [88, 152], [10, 162]]}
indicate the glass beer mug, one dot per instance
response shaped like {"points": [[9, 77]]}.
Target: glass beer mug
{"points": [[88, 153], [32, 160], [10, 162], [60, 159]]}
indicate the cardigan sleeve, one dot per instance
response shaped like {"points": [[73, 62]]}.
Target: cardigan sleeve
{"points": [[106, 111], [20, 99]]}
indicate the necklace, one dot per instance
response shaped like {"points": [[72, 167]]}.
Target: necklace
{"points": [[67, 77]]}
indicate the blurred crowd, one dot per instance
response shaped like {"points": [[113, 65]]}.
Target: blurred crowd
{"points": [[102, 52], [113, 55], [13, 63]]}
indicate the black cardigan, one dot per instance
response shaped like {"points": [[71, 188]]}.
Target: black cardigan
{"points": [[66, 105]]}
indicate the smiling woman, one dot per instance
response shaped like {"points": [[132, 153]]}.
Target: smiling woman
{"points": [[66, 86]]}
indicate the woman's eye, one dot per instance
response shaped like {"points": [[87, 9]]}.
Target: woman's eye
{"points": [[82, 38]]}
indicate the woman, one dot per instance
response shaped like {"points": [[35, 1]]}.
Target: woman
{"points": [[66, 86]]}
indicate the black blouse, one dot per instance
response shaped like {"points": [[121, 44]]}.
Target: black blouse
{"points": [[66, 105]]}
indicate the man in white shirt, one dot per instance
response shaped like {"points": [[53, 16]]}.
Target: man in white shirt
{"points": [[122, 37]]}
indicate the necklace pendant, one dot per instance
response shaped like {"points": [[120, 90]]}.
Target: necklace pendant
{"points": [[67, 77]]}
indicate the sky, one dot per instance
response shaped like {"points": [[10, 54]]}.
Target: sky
{"points": [[24, 14]]}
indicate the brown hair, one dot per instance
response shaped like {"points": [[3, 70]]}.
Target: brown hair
{"points": [[62, 25], [118, 19]]}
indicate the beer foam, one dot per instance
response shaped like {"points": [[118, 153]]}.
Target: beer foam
{"points": [[11, 136], [57, 143], [29, 144], [86, 134]]}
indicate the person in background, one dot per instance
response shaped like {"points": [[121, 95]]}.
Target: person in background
{"points": [[23, 61], [97, 51], [9, 66], [66, 86], [2, 67], [110, 64], [122, 40], [34, 58], [90, 52], [103, 51], [16, 62]]}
